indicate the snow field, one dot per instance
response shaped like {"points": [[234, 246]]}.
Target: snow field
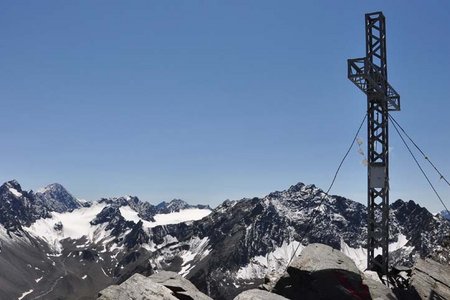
{"points": [[75, 225], [190, 214]]}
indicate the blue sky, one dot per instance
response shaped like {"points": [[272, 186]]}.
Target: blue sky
{"points": [[209, 100]]}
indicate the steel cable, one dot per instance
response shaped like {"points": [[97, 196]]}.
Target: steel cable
{"points": [[308, 227], [417, 162]]}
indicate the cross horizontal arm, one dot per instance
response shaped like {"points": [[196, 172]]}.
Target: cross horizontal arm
{"points": [[368, 79]]}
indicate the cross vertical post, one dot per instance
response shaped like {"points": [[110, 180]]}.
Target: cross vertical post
{"points": [[370, 75]]}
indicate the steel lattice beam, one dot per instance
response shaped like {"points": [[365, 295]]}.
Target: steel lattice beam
{"points": [[369, 74], [361, 73]]}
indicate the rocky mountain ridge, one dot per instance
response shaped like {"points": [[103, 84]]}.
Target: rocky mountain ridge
{"points": [[222, 251]]}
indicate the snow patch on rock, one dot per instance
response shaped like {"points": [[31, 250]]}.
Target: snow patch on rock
{"points": [[275, 261], [24, 294], [15, 192], [185, 215], [359, 255], [197, 248]]}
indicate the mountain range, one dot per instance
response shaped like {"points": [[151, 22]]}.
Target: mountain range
{"points": [[54, 246]]}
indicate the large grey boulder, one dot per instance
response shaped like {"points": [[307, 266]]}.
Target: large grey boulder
{"points": [[321, 272], [180, 286], [256, 294], [430, 279], [319, 257], [137, 287], [378, 291], [160, 286]]}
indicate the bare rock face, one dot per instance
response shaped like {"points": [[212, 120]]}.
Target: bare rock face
{"points": [[430, 280], [319, 257], [256, 294], [137, 287], [378, 291], [160, 286], [321, 272], [181, 287]]}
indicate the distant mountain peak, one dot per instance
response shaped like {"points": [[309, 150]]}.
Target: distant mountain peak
{"points": [[119, 201], [17, 207], [300, 187], [56, 198], [12, 187], [52, 187], [14, 184], [176, 205], [296, 187]]}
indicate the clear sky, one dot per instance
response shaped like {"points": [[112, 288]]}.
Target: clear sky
{"points": [[209, 100]]}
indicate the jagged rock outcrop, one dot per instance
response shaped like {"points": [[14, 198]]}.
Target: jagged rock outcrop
{"points": [[430, 280], [321, 272], [132, 263], [175, 206], [114, 219], [145, 210], [137, 287], [18, 207], [115, 201], [160, 286], [181, 287], [137, 236], [433, 238]]}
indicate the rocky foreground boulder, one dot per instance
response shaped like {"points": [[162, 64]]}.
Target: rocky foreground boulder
{"points": [[136, 287], [160, 286], [429, 280], [321, 272], [181, 287]]}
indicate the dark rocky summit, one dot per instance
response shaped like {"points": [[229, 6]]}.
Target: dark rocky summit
{"points": [[56, 198], [113, 218], [21, 208], [175, 206]]}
